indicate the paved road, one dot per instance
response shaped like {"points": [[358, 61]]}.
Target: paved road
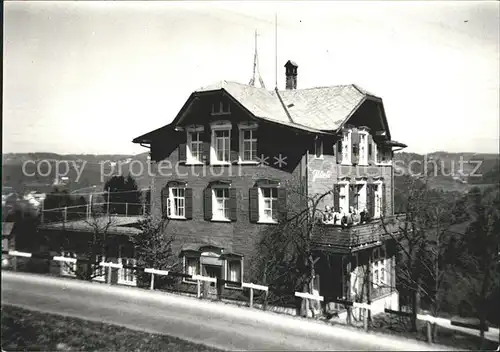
{"points": [[214, 324]]}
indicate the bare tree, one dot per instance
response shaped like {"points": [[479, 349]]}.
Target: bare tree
{"points": [[285, 253], [92, 244], [423, 241], [479, 257]]}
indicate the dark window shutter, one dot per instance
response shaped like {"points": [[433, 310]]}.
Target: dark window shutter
{"points": [[164, 201], [339, 152], [182, 152], [188, 194], [206, 152], [234, 145], [233, 210], [379, 153], [282, 209], [207, 203], [253, 196], [370, 199], [354, 147], [383, 203], [352, 192], [370, 149], [336, 197]]}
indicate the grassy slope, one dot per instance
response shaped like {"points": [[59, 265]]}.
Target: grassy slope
{"points": [[34, 331]]}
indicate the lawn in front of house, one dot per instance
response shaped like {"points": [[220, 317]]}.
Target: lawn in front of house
{"points": [[25, 330]]}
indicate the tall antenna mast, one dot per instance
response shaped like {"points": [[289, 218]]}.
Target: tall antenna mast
{"points": [[276, 49], [256, 67]]}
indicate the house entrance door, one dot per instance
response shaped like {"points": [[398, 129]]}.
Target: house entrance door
{"points": [[212, 271]]}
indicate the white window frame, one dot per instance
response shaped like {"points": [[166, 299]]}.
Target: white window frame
{"points": [[344, 195], [247, 126], [362, 195], [217, 127], [378, 199], [377, 265], [355, 280], [318, 148], [123, 273], [100, 269], [185, 268], [171, 202], [363, 147], [226, 268], [190, 131], [263, 219], [346, 147], [68, 269], [220, 110], [216, 215]]}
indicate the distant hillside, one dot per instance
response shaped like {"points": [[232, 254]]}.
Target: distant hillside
{"points": [[44, 176], [447, 171], [450, 171]]}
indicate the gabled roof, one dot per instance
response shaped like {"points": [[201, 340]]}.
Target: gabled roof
{"points": [[316, 110], [321, 108]]}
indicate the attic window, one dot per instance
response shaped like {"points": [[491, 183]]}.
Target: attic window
{"points": [[221, 108]]}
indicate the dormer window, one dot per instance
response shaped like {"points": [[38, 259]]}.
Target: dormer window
{"points": [[221, 108], [318, 148], [220, 150], [248, 142], [194, 146]]}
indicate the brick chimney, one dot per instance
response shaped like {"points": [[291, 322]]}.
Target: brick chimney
{"points": [[291, 75]]}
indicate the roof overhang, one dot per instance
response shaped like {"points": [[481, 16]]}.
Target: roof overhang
{"points": [[394, 144]]}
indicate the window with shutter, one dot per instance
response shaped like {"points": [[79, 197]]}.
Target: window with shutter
{"points": [[176, 195], [207, 204], [220, 201], [370, 200], [383, 203], [355, 147], [182, 153], [254, 204], [234, 272], [194, 145], [233, 210], [336, 198], [339, 152], [370, 149]]}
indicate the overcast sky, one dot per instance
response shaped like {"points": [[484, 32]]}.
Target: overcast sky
{"points": [[88, 77]]}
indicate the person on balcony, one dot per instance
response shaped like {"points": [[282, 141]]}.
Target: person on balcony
{"points": [[356, 218], [337, 216], [328, 217]]}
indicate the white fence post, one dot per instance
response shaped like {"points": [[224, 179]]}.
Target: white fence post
{"points": [[152, 281], [65, 212], [199, 288], [109, 275], [251, 297]]}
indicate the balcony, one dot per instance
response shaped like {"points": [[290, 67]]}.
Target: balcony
{"points": [[119, 218], [347, 239]]}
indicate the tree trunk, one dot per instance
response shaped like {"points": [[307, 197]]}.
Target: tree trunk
{"points": [[415, 307], [483, 308]]}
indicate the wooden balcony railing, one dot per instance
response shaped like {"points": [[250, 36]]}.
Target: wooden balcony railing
{"points": [[352, 236]]}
